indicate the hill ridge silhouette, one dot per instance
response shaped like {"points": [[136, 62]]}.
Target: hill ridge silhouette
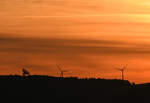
{"points": [[41, 88]]}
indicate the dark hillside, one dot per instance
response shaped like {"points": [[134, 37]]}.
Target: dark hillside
{"points": [[69, 90]]}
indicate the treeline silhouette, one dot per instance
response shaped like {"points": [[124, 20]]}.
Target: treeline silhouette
{"points": [[48, 89]]}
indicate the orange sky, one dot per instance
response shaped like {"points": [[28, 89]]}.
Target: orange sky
{"points": [[88, 38]]}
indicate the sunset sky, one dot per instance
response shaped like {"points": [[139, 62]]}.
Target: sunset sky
{"points": [[89, 38]]}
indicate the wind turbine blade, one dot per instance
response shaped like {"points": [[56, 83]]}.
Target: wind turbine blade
{"points": [[65, 71], [58, 67], [118, 69], [124, 67]]}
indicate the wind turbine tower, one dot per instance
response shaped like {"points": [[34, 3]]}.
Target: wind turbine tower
{"points": [[122, 71], [61, 71]]}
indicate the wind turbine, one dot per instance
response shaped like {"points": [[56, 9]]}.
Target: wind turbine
{"points": [[61, 71], [122, 71]]}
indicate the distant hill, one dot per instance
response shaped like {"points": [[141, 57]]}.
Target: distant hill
{"points": [[37, 88]]}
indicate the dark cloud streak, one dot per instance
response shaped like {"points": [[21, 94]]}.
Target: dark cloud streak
{"points": [[69, 46]]}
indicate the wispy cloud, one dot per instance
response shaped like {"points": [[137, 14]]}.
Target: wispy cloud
{"points": [[61, 50]]}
